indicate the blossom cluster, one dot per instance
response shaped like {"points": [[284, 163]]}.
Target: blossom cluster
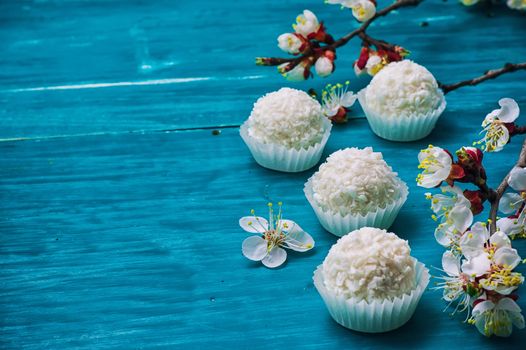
{"points": [[512, 4], [371, 61], [479, 261], [309, 35], [315, 48]]}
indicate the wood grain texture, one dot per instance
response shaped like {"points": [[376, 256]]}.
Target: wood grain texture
{"points": [[75, 44], [129, 239]]}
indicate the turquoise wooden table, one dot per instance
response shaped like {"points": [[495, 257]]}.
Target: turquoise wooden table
{"points": [[119, 205]]}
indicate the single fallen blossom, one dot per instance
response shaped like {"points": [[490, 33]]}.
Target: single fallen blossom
{"points": [[336, 101], [273, 235]]}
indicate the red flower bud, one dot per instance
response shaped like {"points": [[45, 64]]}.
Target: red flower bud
{"points": [[456, 174], [321, 35], [330, 54], [393, 56], [470, 155], [476, 198], [362, 59], [470, 158]]}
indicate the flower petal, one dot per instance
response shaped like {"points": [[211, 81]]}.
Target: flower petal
{"points": [[509, 226], [288, 226], [517, 179], [490, 117], [502, 326], [500, 142], [254, 248], [481, 229], [509, 110], [299, 241], [508, 257], [517, 319], [275, 257], [253, 224], [510, 202], [462, 217], [444, 235], [477, 265], [508, 304], [482, 307], [472, 242], [499, 239], [348, 99], [431, 180], [450, 263]]}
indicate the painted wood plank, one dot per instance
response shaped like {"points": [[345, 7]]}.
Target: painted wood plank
{"points": [[132, 241], [202, 55]]}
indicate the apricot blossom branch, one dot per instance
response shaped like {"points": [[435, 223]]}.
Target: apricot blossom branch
{"points": [[312, 45]]}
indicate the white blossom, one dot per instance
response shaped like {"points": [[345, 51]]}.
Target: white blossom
{"points": [[497, 134], [306, 23], [436, 164], [324, 66], [273, 236], [497, 318], [290, 43]]}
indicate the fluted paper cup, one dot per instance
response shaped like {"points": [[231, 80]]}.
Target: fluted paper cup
{"points": [[400, 128], [376, 316], [340, 225], [281, 158]]}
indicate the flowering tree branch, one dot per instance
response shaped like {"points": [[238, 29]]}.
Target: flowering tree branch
{"points": [[479, 260], [307, 48], [497, 194], [312, 47], [361, 30], [490, 74]]}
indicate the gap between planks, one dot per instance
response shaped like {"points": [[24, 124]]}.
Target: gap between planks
{"points": [[140, 132]]}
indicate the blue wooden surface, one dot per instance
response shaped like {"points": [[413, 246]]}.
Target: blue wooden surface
{"points": [[119, 229]]}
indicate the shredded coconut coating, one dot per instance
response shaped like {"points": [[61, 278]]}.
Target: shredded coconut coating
{"points": [[355, 181], [369, 264], [287, 117], [403, 89]]}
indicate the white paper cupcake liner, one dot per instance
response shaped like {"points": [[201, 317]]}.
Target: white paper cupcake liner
{"points": [[375, 316], [401, 128], [281, 158], [340, 225]]}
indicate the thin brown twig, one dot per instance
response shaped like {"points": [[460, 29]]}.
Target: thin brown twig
{"points": [[380, 44], [394, 6], [499, 192], [491, 74]]}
